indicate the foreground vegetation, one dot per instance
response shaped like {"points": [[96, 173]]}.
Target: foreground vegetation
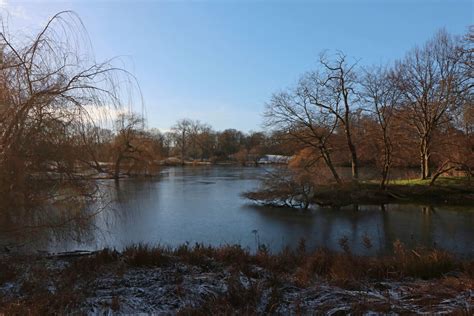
{"points": [[202, 280]]}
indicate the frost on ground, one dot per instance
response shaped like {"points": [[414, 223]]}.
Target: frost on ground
{"points": [[179, 287], [170, 290], [154, 290]]}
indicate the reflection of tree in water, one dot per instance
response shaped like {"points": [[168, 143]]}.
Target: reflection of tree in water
{"points": [[394, 228], [83, 222], [127, 199], [52, 224], [413, 225], [426, 224], [388, 235]]}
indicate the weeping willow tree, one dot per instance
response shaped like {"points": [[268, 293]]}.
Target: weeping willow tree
{"points": [[51, 86]]}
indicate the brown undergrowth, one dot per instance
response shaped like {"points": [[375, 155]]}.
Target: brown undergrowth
{"points": [[61, 285]]}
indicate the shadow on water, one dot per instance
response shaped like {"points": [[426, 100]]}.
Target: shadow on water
{"points": [[205, 205]]}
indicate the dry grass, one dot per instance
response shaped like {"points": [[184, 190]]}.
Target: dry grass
{"points": [[238, 300], [73, 283], [341, 268], [143, 255], [347, 269]]}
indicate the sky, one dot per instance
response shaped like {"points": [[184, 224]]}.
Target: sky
{"points": [[220, 61]]}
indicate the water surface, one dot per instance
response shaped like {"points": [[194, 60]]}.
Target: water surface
{"points": [[203, 204]]}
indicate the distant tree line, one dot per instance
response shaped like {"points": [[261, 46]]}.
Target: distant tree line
{"points": [[131, 145]]}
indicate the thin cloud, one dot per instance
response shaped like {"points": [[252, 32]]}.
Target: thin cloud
{"points": [[14, 10]]}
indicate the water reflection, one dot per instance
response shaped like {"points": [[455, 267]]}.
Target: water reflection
{"points": [[26, 230], [446, 227], [204, 205]]}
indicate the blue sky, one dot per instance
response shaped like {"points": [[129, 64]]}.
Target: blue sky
{"points": [[220, 61]]}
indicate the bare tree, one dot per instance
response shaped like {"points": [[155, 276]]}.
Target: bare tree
{"points": [[202, 140], [181, 131], [430, 81], [48, 87], [381, 96], [333, 90], [293, 113], [126, 144], [93, 141], [466, 54], [229, 142], [282, 188]]}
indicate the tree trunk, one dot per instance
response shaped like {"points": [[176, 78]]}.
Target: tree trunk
{"points": [[387, 163], [425, 159], [445, 167], [385, 172], [354, 162], [117, 167], [327, 158], [347, 129], [183, 146], [352, 149]]}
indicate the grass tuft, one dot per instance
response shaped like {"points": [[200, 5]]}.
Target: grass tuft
{"points": [[142, 255]]}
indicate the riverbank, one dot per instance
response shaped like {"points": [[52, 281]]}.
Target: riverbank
{"points": [[202, 280], [451, 191]]}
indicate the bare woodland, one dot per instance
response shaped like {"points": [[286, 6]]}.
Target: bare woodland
{"points": [[386, 115], [417, 111]]}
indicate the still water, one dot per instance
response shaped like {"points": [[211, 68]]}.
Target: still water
{"points": [[204, 204]]}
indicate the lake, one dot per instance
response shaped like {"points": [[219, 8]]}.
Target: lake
{"points": [[204, 204]]}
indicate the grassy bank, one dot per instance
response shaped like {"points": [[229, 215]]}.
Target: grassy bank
{"points": [[203, 280], [452, 191]]}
